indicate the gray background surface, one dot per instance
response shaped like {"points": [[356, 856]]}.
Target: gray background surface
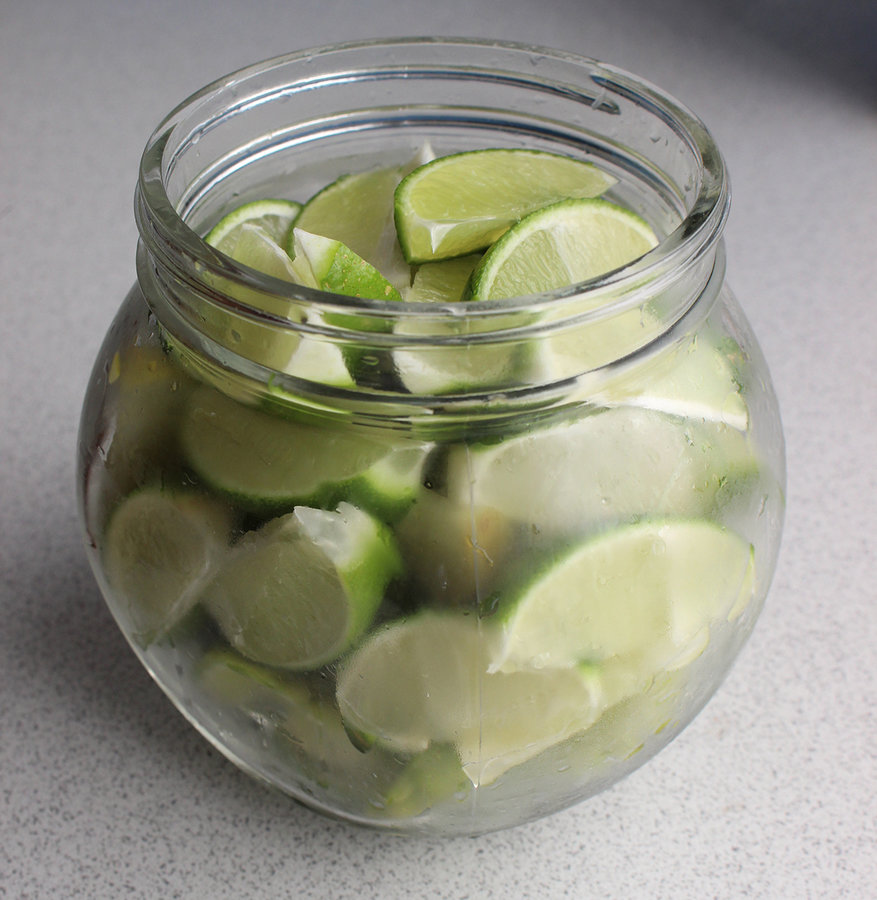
{"points": [[106, 792]]}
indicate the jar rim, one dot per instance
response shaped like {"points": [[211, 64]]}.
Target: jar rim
{"points": [[168, 236]]}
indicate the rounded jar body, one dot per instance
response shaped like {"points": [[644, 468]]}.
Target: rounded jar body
{"points": [[436, 568]]}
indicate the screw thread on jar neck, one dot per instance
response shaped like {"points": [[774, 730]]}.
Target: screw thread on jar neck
{"points": [[278, 119]]}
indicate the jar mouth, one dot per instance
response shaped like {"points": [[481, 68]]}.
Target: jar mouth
{"points": [[584, 84]]}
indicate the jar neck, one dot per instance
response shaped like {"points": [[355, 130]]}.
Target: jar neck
{"points": [[235, 137]]}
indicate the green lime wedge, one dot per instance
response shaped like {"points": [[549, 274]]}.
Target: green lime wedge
{"points": [[300, 590], [268, 463], [318, 362], [148, 393], [274, 217], [357, 211], [444, 281], [253, 246], [252, 241], [462, 203], [643, 593], [390, 486], [255, 236], [440, 356], [159, 549], [698, 381], [336, 268], [560, 245], [615, 465], [456, 552], [425, 680]]}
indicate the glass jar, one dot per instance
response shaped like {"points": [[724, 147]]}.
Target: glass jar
{"points": [[437, 568]]}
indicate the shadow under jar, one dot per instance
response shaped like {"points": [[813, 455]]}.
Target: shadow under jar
{"points": [[438, 568]]}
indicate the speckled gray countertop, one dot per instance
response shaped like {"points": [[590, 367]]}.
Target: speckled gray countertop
{"points": [[105, 792]]}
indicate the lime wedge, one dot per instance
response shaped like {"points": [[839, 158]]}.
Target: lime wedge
{"points": [[149, 394], [267, 463], [357, 210], [461, 203], [159, 549], [300, 590], [456, 552], [697, 381], [615, 465], [559, 245], [389, 487], [334, 267], [318, 362], [255, 236], [274, 217], [425, 680], [644, 593], [258, 250], [444, 281], [446, 360]]}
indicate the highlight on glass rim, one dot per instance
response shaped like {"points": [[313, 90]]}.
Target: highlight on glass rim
{"points": [[431, 467]]}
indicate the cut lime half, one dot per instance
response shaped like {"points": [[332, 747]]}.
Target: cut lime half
{"points": [[463, 202], [298, 592], [560, 245]]}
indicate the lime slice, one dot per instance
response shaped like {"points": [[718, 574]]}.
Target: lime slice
{"points": [[444, 281], [336, 268], [644, 593], [267, 463], [300, 590], [159, 550], [461, 203], [357, 211], [614, 465], [425, 680], [274, 217], [559, 245]]}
